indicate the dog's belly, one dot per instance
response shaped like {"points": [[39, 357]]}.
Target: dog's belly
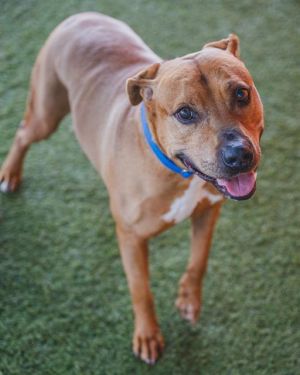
{"points": [[196, 193]]}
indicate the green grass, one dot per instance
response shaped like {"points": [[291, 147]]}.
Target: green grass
{"points": [[65, 307]]}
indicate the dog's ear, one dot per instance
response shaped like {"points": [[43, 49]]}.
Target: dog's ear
{"points": [[230, 44], [140, 86]]}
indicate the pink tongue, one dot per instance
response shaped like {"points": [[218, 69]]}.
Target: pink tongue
{"points": [[239, 186]]}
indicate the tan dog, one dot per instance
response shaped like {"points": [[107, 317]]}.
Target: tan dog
{"points": [[204, 114]]}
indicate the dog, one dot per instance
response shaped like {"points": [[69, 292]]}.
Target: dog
{"points": [[171, 139]]}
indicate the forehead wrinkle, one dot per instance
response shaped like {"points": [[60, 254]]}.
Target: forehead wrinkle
{"points": [[221, 63], [201, 75], [176, 86], [206, 82], [197, 83]]}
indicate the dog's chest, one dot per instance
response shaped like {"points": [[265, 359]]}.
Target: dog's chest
{"points": [[182, 207]]}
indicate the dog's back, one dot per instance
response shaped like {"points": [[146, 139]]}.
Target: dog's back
{"points": [[86, 61]]}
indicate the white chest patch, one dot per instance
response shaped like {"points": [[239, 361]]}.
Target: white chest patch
{"points": [[183, 206]]}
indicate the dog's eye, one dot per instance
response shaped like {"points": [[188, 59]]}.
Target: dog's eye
{"points": [[186, 115], [242, 95]]}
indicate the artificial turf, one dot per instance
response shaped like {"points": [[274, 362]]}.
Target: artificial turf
{"points": [[64, 303]]}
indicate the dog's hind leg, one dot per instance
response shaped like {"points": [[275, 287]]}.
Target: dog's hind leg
{"points": [[47, 104]]}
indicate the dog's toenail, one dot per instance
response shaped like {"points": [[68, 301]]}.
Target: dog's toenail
{"points": [[4, 187]]}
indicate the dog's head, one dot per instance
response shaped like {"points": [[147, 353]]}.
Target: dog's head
{"points": [[206, 114]]}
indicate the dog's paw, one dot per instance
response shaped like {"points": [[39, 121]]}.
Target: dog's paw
{"points": [[189, 300], [9, 182], [148, 344]]}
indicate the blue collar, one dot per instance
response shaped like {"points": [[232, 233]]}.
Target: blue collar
{"points": [[163, 158]]}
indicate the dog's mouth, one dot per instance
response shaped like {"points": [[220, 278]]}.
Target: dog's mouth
{"points": [[239, 187]]}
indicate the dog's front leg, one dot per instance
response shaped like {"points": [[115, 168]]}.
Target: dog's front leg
{"points": [[190, 285], [148, 342]]}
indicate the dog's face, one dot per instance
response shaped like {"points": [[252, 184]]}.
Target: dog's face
{"points": [[205, 113]]}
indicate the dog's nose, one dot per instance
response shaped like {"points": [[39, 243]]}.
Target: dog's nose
{"points": [[238, 158], [237, 152]]}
